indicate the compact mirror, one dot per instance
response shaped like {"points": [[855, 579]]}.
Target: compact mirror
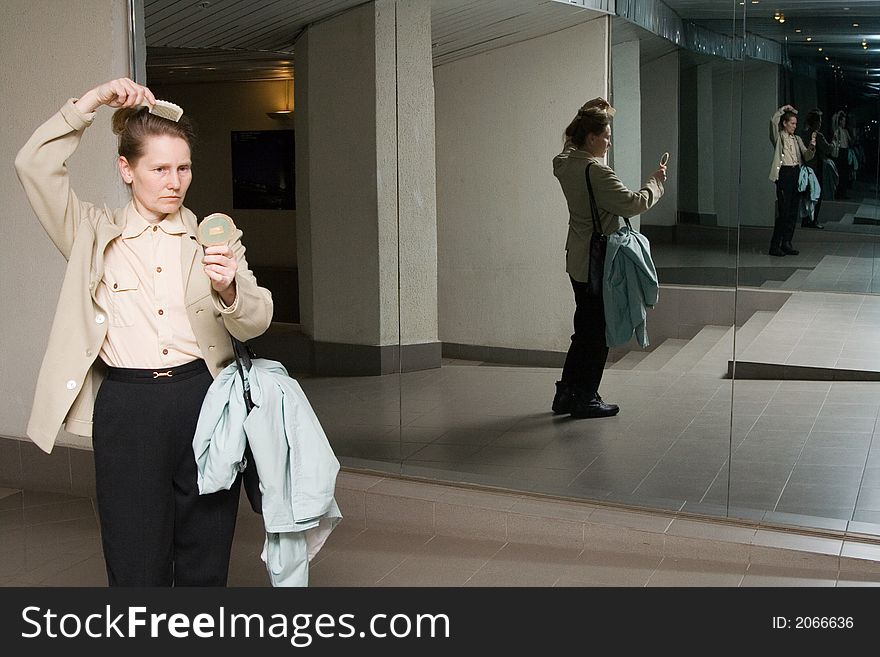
{"points": [[664, 159], [217, 228]]}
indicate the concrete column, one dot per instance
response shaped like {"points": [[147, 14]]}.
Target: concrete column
{"points": [[707, 135], [627, 128], [660, 118], [51, 51], [365, 129]]}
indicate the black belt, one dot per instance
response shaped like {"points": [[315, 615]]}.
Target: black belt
{"points": [[160, 375]]}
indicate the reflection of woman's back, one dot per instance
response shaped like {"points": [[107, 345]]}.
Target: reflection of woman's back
{"points": [[587, 140]]}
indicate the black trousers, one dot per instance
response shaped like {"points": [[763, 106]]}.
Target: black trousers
{"points": [[787, 198], [156, 529], [585, 361]]}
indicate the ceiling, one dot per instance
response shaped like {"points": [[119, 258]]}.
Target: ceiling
{"points": [[254, 39], [198, 40]]}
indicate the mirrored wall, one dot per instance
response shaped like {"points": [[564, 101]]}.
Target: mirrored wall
{"points": [[423, 296]]}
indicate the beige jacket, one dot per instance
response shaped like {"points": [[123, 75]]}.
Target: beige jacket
{"points": [[613, 199], [71, 374]]}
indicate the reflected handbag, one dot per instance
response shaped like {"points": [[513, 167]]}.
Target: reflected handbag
{"points": [[250, 476], [598, 244]]}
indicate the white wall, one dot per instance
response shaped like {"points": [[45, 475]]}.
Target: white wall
{"points": [[49, 55], [626, 130], [501, 216], [660, 117]]}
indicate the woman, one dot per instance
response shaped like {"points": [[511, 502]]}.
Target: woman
{"points": [[843, 137], [144, 309], [823, 151], [788, 155], [587, 140]]}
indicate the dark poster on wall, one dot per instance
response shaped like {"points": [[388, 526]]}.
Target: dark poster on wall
{"points": [[263, 176]]}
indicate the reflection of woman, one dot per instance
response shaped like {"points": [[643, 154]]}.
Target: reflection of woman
{"points": [[140, 294], [789, 153], [587, 140], [817, 163], [843, 137]]}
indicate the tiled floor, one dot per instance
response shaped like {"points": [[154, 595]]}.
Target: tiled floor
{"points": [[801, 451], [821, 329], [53, 540]]}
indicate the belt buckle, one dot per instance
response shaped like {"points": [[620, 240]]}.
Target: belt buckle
{"points": [[156, 375]]}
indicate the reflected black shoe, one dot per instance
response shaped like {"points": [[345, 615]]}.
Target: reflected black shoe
{"points": [[776, 251], [584, 407], [562, 399], [788, 249]]}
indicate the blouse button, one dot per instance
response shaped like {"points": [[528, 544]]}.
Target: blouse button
{"points": [[158, 270], [115, 286], [155, 228], [164, 352], [161, 312]]}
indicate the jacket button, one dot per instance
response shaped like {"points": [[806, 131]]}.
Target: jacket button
{"points": [[99, 318], [210, 347], [88, 352], [71, 384]]}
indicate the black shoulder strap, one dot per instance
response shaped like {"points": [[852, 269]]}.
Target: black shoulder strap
{"points": [[594, 209], [243, 363]]}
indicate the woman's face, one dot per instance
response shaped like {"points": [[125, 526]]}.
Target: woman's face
{"points": [[599, 143], [790, 126], [160, 178]]}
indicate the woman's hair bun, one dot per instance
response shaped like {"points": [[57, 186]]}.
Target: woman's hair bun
{"points": [[122, 116]]}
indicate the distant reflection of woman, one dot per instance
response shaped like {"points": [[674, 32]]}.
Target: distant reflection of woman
{"points": [[789, 153]]}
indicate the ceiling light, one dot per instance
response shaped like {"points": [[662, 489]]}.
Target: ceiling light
{"points": [[826, 58], [855, 24], [809, 38], [782, 19], [820, 49], [286, 113]]}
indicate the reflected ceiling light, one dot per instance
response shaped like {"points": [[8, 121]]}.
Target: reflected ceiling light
{"points": [[855, 24], [820, 49], [826, 58], [798, 30], [809, 38]]}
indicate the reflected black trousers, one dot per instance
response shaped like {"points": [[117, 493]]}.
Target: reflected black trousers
{"points": [[787, 199], [585, 361], [156, 529]]}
